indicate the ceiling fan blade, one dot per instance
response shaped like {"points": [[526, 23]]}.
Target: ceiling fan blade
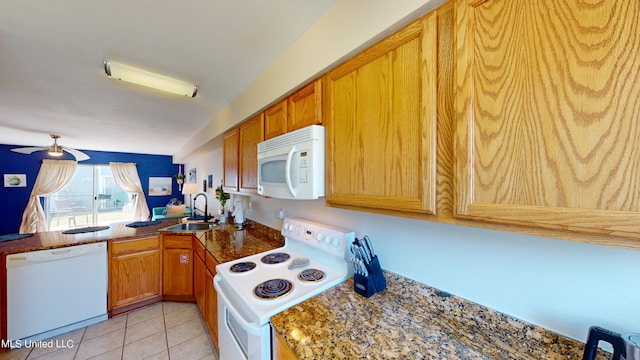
{"points": [[28, 150], [80, 156]]}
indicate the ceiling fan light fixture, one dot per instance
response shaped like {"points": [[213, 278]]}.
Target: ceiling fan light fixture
{"points": [[120, 71], [55, 149]]}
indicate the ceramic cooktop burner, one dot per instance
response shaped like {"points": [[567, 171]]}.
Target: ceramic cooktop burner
{"points": [[275, 258], [242, 267], [273, 289], [312, 275]]}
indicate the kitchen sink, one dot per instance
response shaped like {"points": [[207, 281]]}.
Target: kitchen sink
{"points": [[189, 227]]}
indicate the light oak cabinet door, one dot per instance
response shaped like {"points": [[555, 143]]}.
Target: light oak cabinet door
{"points": [[199, 279], [305, 107], [134, 273], [275, 120], [211, 298], [231, 159], [281, 350], [381, 124], [251, 133], [547, 114], [177, 267]]}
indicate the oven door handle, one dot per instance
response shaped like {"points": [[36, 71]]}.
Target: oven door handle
{"points": [[251, 327]]}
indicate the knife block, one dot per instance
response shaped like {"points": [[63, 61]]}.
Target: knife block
{"points": [[372, 283]]}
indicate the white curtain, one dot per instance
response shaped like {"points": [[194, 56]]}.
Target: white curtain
{"points": [[53, 176], [126, 176]]}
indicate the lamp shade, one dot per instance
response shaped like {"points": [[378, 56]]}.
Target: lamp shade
{"points": [[189, 188], [116, 70]]}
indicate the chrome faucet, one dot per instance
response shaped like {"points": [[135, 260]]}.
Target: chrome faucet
{"points": [[206, 203]]}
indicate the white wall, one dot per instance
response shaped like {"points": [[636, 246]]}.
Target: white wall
{"points": [[560, 285]]}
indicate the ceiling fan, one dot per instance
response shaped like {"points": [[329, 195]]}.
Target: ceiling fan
{"points": [[53, 150]]}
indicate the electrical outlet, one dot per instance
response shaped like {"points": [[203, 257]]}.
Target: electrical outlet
{"points": [[280, 214]]}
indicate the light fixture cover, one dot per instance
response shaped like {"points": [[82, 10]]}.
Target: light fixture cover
{"points": [[137, 76], [55, 149], [190, 188]]}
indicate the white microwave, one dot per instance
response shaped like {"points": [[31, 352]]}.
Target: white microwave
{"points": [[291, 166]]}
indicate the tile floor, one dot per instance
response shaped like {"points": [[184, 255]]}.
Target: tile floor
{"points": [[161, 331]]}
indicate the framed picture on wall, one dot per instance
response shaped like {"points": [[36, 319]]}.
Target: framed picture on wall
{"points": [[210, 180], [159, 186], [192, 175], [15, 180]]}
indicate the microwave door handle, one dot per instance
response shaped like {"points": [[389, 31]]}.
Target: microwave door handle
{"points": [[288, 170]]}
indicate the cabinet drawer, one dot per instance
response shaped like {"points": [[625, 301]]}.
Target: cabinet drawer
{"points": [[134, 245], [198, 248], [211, 263], [178, 241]]}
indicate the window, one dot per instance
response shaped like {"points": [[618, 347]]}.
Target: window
{"points": [[91, 198]]}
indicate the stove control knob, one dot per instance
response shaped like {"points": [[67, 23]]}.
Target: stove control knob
{"points": [[327, 239], [336, 242], [319, 237], [286, 226]]}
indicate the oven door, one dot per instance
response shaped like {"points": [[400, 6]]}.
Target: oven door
{"points": [[238, 337]]}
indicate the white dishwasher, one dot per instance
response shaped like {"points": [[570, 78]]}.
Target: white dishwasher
{"points": [[53, 291]]}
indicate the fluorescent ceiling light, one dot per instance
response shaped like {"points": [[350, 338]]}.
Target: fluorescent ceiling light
{"points": [[120, 71]]}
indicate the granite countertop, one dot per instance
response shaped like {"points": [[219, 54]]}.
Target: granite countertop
{"points": [[412, 320], [226, 243], [56, 239]]}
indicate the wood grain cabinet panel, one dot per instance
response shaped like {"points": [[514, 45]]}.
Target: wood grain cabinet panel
{"points": [[134, 273], [177, 267], [199, 278], [305, 107], [231, 159], [211, 298], [251, 133], [281, 350], [275, 120], [381, 124], [547, 111]]}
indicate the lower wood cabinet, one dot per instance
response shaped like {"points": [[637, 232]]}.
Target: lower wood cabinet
{"points": [[204, 270], [211, 298], [134, 274], [177, 267], [281, 350], [199, 271]]}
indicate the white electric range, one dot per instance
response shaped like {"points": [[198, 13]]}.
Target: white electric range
{"points": [[252, 289]]}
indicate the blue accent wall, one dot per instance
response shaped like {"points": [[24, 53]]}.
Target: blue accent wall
{"points": [[14, 199]]}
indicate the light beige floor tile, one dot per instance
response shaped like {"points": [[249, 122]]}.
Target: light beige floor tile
{"points": [[60, 354], [144, 314], [193, 349], [173, 306], [115, 354], [185, 331], [180, 316], [100, 345], [164, 355], [211, 356], [15, 354], [107, 326], [146, 347], [143, 329], [61, 342]]}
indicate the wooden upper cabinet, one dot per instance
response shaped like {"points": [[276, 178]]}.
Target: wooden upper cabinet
{"points": [[381, 124], [305, 107], [275, 120], [251, 133], [230, 159], [547, 114]]}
